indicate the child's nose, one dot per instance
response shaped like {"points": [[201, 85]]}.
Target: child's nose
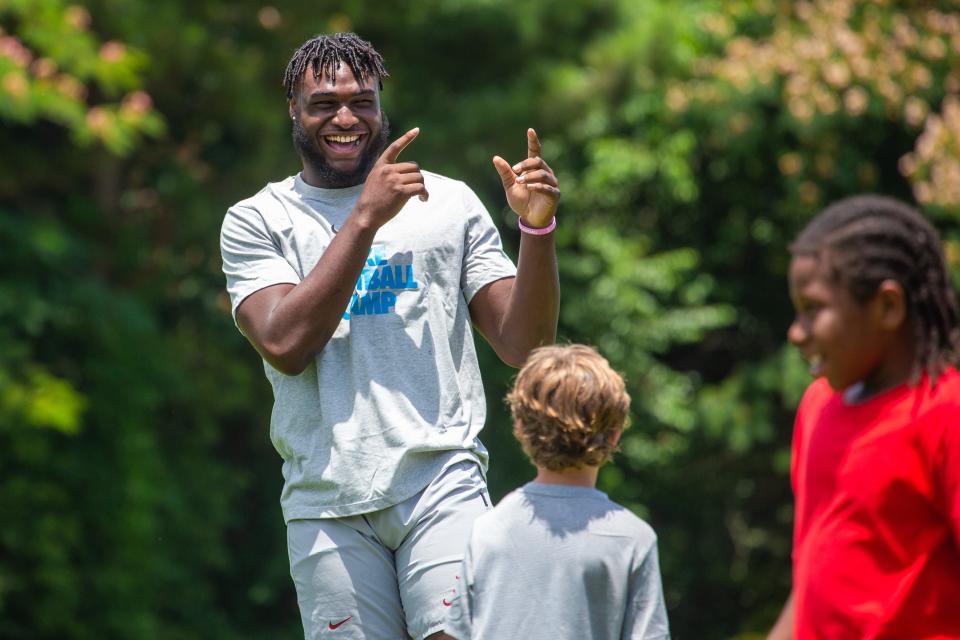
{"points": [[796, 333]]}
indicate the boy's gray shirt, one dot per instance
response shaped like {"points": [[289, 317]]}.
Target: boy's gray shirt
{"points": [[555, 561], [395, 395]]}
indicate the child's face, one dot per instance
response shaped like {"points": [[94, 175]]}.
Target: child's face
{"points": [[842, 340]]}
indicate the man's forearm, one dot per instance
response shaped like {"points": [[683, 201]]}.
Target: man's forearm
{"points": [[304, 320], [290, 326], [531, 317]]}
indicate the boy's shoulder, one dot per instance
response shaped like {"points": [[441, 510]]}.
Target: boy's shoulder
{"points": [[942, 408], [817, 393], [590, 508], [947, 390], [632, 523], [937, 403], [922, 397]]}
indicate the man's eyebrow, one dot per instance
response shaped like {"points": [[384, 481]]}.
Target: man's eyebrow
{"points": [[333, 94]]}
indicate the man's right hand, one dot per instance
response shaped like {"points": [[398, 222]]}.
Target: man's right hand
{"points": [[390, 184]]}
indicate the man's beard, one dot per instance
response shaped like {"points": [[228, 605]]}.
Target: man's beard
{"points": [[309, 150]]}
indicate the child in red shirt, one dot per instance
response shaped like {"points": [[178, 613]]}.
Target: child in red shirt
{"points": [[876, 447]]}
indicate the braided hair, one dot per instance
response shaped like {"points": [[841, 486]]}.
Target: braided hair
{"points": [[322, 53], [867, 239]]}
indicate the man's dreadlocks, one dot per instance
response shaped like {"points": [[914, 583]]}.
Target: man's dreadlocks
{"points": [[868, 239], [322, 53]]}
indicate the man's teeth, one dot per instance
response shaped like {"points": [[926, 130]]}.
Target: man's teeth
{"points": [[343, 139]]}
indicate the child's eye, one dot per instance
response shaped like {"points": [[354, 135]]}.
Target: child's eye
{"points": [[806, 308]]}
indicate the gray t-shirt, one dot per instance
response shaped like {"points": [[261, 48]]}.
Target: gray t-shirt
{"points": [[553, 562], [396, 394]]}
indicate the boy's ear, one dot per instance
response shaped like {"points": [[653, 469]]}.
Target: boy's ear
{"points": [[891, 305], [615, 437]]}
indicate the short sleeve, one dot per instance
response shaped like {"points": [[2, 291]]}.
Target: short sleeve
{"points": [[460, 615], [483, 259], [646, 615], [251, 259]]}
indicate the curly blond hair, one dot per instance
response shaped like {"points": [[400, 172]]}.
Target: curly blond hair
{"points": [[567, 405]]}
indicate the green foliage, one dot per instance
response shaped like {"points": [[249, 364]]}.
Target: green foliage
{"points": [[635, 306], [137, 482], [51, 65], [43, 400]]}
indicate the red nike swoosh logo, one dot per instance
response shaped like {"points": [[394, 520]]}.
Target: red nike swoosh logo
{"points": [[447, 603], [334, 626]]}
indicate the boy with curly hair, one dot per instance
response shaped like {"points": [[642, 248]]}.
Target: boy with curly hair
{"points": [[557, 558]]}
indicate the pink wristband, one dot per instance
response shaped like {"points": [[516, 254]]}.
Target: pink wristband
{"points": [[534, 231]]}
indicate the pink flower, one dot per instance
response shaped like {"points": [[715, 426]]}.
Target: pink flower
{"points": [[113, 51]]}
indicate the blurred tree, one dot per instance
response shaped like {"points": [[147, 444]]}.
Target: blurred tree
{"points": [[118, 503], [137, 482]]}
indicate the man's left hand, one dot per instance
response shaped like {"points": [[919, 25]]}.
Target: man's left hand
{"points": [[532, 189]]}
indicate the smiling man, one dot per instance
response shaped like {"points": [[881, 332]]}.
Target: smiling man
{"points": [[362, 300]]}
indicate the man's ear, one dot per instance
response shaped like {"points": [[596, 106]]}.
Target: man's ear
{"points": [[891, 305], [292, 108]]}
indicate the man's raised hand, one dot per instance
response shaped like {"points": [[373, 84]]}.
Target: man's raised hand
{"points": [[530, 185], [390, 184]]}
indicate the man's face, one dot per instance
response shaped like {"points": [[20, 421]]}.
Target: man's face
{"points": [[338, 127]]}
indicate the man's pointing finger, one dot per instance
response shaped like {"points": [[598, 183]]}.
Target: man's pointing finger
{"points": [[533, 144], [392, 152]]}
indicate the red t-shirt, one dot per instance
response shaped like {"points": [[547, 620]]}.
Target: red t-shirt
{"points": [[877, 528]]}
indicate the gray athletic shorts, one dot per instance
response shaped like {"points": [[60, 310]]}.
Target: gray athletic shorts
{"points": [[389, 574]]}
